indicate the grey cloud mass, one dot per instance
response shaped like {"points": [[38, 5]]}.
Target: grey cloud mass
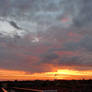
{"points": [[72, 60], [34, 33], [49, 57], [84, 43], [42, 14]]}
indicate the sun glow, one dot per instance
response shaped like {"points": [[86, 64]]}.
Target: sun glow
{"points": [[59, 74], [73, 72]]}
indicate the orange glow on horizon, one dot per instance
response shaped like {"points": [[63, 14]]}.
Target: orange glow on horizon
{"points": [[60, 74]]}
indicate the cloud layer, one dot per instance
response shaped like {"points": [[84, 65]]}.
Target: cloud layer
{"points": [[39, 35]]}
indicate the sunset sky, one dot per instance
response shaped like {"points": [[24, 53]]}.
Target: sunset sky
{"points": [[45, 39]]}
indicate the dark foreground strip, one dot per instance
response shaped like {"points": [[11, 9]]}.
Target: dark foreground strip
{"points": [[26, 89]]}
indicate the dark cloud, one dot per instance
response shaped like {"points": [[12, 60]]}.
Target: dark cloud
{"points": [[84, 43], [49, 57], [71, 46], [14, 24], [72, 60], [84, 15]]}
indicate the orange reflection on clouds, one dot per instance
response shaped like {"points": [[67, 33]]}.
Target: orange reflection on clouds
{"points": [[60, 74], [4, 72]]}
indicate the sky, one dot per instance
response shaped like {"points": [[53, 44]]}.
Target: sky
{"points": [[45, 39]]}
